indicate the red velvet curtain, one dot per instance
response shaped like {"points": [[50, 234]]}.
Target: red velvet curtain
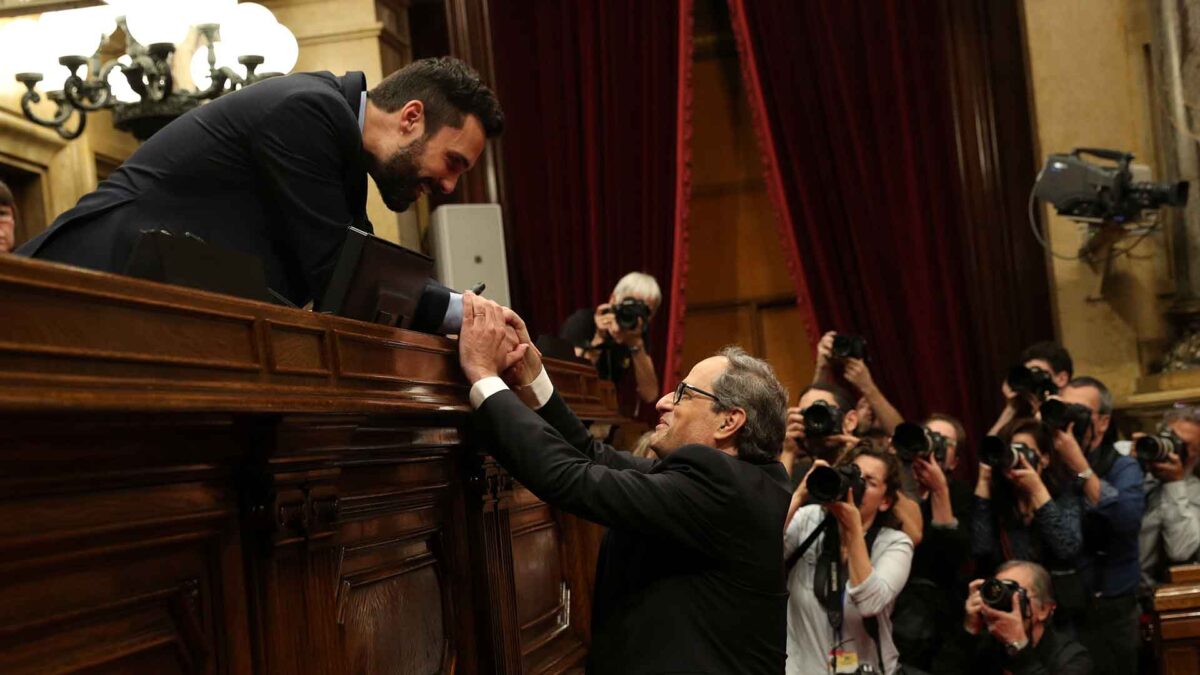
{"points": [[593, 92], [858, 107]]}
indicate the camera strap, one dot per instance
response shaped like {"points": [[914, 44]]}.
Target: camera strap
{"points": [[804, 546]]}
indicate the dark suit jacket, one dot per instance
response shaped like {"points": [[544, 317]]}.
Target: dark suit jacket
{"points": [[276, 170], [690, 575], [1055, 654]]}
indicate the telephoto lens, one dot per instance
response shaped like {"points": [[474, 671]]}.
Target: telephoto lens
{"points": [[1059, 415], [831, 484], [1003, 456], [821, 419], [848, 347], [1159, 448], [1035, 381], [913, 440], [998, 593], [631, 312]]}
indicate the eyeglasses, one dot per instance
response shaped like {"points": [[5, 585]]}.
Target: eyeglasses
{"points": [[684, 386]]}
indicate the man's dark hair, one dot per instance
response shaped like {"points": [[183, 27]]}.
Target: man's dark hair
{"points": [[1106, 397], [449, 89], [841, 396], [1053, 353], [6, 195], [749, 383]]}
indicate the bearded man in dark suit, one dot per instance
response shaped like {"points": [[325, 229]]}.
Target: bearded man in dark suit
{"points": [[279, 170], [690, 576]]}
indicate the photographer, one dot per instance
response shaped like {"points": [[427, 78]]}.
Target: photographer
{"points": [[1007, 629], [613, 337], [1050, 358], [826, 434], [842, 587], [846, 356], [1171, 526], [1030, 512], [8, 219], [931, 603], [1113, 501]]}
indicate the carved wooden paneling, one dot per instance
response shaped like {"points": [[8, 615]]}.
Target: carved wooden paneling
{"points": [[192, 483]]}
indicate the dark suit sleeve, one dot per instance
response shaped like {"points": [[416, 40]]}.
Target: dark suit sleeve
{"points": [[559, 415], [684, 500], [302, 154]]}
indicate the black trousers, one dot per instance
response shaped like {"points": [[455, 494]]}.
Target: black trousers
{"points": [[1110, 632]]}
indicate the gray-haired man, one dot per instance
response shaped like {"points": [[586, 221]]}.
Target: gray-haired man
{"points": [[690, 577], [1171, 525]]}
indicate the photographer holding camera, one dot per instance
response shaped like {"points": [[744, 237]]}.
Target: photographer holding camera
{"points": [[931, 603], [845, 355], [820, 426], [1007, 628], [845, 563], [1113, 501], [1026, 509], [613, 337], [1171, 525], [1044, 369]]}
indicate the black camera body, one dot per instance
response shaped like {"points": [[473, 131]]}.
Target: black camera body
{"points": [[630, 313], [1059, 415], [1160, 447], [1090, 192], [1003, 456], [822, 419], [998, 594], [913, 440], [1031, 381], [848, 347], [831, 484]]}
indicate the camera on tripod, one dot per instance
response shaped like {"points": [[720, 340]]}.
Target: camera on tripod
{"points": [[913, 440], [630, 313], [831, 484], [1003, 456], [821, 419], [1093, 193]]}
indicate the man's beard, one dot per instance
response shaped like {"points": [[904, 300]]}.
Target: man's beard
{"points": [[398, 178]]}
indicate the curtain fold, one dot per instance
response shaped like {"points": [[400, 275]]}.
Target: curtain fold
{"points": [[592, 91], [859, 110]]}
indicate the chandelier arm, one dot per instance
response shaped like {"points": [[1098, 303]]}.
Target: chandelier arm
{"points": [[79, 128], [31, 97], [87, 95]]}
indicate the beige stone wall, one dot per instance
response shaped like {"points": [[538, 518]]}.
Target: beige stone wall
{"points": [[1090, 74]]}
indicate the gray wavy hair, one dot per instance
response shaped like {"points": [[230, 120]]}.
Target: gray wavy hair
{"points": [[750, 383]]}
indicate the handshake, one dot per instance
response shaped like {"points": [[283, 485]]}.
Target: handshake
{"points": [[495, 342]]}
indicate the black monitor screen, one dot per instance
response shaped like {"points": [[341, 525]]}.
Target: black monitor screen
{"points": [[375, 280]]}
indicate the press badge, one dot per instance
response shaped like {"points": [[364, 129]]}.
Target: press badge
{"points": [[844, 661]]}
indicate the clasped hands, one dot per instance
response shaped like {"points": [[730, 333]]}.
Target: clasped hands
{"points": [[495, 342]]}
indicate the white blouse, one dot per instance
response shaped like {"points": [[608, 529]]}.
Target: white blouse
{"points": [[810, 638]]}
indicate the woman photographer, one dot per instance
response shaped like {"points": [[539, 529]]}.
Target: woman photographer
{"points": [[1031, 513], [842, 587]]}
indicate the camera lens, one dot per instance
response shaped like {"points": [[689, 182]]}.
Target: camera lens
{"points": [[997, 593], [910, 441], [1157, 448], [824, 484]]}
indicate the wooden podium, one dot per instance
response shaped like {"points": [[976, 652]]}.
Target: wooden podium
{"points": [[193, 483]]}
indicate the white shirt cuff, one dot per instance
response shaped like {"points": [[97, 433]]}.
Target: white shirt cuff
{"points": [[542, 389], [483, 389]]}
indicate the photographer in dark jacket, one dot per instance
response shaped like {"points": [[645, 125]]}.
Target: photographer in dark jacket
{"points": [[1113, 501], [1032, 514], [1019, 639], [613, 336], [690, 575], [930, 606]]}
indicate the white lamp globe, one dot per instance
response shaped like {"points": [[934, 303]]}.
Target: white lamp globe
{"points": [[209, 11], [19, 48], [280, 49], [120, 85], [157, 21], [201, 76]]}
